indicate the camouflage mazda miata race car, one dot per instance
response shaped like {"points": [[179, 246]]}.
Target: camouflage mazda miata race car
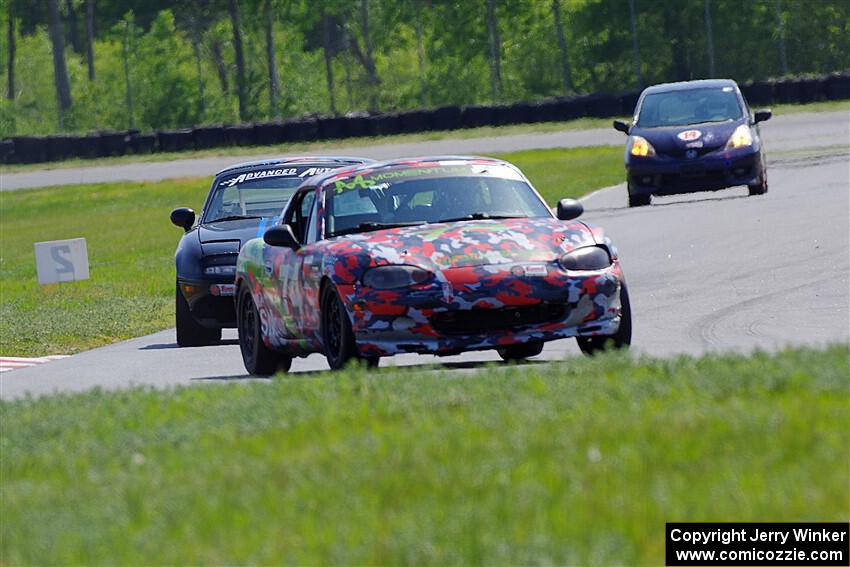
{"points": [[427, 255]]}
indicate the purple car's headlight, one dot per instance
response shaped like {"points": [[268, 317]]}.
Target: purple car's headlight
{"points": [[587, 258], [392, 277]]}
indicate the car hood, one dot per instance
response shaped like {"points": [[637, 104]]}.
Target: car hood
{"points": [[676, 140], [228, 236], [440, 246]]}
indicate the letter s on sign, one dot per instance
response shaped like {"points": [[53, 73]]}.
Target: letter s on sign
{"points": [[63, 265]]}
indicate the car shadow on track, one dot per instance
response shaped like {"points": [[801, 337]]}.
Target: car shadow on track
{"points": [[472, 365], [163, 346], [672, 202]]}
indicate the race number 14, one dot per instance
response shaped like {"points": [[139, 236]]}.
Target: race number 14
{"points": [[62, 260]]}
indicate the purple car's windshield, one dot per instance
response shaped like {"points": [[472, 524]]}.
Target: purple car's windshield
{"points": [[418, 195], [694, 106]]}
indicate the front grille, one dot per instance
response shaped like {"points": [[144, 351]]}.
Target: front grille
{"points": [[709, 178], [478, 321]]}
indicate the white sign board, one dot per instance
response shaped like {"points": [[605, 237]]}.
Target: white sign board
{"points": [[62, 260]]}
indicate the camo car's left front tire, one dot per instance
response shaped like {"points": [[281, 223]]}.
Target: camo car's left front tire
{"points": [[340, 346], [259, 359], [619, 340]]}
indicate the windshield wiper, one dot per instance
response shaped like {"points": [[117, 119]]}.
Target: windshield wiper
{"points": [[236, 217], [483, 216], [368, 226]]}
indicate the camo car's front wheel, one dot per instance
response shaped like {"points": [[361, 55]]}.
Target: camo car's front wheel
{"points": [[619, 340], [259, 359], [340, 346]]}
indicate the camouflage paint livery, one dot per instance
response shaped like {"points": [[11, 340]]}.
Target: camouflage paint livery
{"points": [[496, 283]]}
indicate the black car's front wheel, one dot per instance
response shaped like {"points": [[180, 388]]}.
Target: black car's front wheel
{"points": [[340, 346], [619, 340], [189, 331], [257, 357]]}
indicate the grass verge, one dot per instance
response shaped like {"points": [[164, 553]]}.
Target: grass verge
{"points": [[308, 147], [580, 462], [131, 245]]}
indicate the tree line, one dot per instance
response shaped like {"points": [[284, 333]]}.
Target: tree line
{"points": [[78, 65]]}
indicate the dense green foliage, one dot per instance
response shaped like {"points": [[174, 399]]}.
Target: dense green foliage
{"points": [[131, 290], [572, 463], [167, 90]]}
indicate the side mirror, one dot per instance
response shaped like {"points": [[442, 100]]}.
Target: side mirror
{"points": [[281, 235], [183, 217], [569, 209], [762, 115], [621, 126]]}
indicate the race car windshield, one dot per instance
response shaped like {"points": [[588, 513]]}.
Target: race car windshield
{"points": [[387, 199], [683, 108], [250, 199]]}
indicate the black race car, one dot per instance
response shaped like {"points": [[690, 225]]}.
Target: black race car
{"points": [[693, 136], [243, 201]]}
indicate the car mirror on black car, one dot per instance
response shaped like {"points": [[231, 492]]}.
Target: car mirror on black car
{"points": [[281, 235], [762, 115], [183, 217], [621, 126], [569, 209]]}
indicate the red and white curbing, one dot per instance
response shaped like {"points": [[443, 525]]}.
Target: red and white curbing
{"points": [[8, 363]]}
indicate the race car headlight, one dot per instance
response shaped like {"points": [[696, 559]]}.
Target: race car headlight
{"points": [[392, 277], [740, 138], [641, 147], [587, 258], [220, 270]]}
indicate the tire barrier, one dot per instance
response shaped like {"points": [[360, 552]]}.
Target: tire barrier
{"points": [[411, 121], [332, 127], [7, 149], [446, 118], [206, 137], [60, 146], [143, 143], [240, 135], [30, 149], [57, 147], [175, 140], [300, 130], [113, 143], [269, 133]]}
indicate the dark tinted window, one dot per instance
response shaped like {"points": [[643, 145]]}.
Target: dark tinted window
{"points": [[256, 198], [681, 108], [428, 195]]}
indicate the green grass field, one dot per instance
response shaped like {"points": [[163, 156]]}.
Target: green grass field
{"points": [[307, 147], [131, 246], [579, 462]]}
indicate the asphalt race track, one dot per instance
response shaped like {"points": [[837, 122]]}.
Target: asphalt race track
{"points": [[709, 272], [786, 133]]}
